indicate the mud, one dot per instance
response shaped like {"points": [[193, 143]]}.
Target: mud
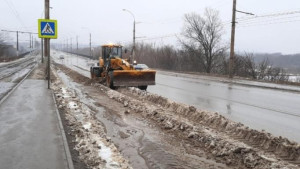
{"points": [[95, 149], [202, 134]]}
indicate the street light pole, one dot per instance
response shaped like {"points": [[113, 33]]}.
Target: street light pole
{"points": [[133, 47]]}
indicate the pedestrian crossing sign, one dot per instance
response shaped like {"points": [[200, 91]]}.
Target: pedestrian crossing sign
{"points": [[47, 28]]}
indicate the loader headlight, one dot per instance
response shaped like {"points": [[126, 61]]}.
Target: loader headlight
{"points": [[134, 62]]}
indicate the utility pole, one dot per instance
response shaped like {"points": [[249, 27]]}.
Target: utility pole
{"points": [[77, 48], [231, 60], [47, 40], [17, 39], [17, 43], [133, 48], [30, 38], [77, 45], [32, 41], [32, 46], [91, 45], [29, 41], [232, 53], [71, 46]]}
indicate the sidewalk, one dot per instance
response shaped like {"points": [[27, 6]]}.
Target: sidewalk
{"points": [[30, 135]]}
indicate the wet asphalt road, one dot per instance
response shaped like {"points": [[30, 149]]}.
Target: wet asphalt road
{"points": [[276, 111]]}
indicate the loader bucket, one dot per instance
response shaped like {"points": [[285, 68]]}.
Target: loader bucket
{"points": [[133, 78]]}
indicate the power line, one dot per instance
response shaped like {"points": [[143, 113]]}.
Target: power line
{"points": [[270, 23], [243, 22], [160, 37], [15, 12], [18, 28], [268, 15], [268, 20]]}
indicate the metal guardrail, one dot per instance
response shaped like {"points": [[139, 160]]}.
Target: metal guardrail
{"points": [[88, 56]]}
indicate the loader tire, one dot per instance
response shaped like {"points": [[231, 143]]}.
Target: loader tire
{"points": [[109, 80], [96, 72]]}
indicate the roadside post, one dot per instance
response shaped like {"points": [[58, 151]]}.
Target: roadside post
{"points": [[47, 29]]}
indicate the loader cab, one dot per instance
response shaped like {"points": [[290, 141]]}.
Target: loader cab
{"points": [[111, 51]]}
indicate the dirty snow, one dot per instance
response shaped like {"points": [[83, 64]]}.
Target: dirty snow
{"points": [[94, 147], [87, 125], [72, 105]]}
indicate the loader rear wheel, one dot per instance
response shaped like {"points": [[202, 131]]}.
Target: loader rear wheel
{"points": [[143, 87], [96, 72]]}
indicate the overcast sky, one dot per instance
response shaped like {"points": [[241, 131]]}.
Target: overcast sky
{"points": [[158, 19]]}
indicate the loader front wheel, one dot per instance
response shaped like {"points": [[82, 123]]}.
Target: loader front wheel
{"points": [[143, 87], [109, 80]]}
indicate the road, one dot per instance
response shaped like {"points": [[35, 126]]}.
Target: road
{"points": [[258, 105], [276, 111]]}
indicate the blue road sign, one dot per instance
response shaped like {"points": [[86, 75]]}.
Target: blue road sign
{"points": [[47, 28]]}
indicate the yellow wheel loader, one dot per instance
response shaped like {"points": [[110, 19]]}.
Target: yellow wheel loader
{"points": [[115, 71]]}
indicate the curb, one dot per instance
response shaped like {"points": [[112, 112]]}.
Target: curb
{"points": [[64, 138]]}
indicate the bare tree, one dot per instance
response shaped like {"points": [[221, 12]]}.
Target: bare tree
{"points": [[245, 66], [263, 68], [203, 34], [250, 66]]}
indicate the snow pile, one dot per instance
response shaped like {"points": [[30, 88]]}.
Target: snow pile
{"points": [[282, 147], [230, 142]]}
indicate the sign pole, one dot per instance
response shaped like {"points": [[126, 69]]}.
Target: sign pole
{"points": [[47, 30], [42, 49], [47, 41]]}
